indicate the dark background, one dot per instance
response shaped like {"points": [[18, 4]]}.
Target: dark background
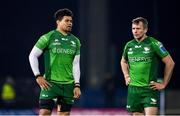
{"points": [[22, 22]]}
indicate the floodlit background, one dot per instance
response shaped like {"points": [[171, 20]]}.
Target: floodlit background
{"points": [[103, 26]]}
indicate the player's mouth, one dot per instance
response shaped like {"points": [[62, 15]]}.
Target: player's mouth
{"points": [[69, 28]]}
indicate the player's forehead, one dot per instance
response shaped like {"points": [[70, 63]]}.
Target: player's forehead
{"points": [[67, 18], [137, 25]]}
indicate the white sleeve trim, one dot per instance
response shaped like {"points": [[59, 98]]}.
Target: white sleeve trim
{"points": [[33, 59], [76, 69]]}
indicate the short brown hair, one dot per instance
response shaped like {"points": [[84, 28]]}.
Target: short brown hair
{"points": [[141, 19]]}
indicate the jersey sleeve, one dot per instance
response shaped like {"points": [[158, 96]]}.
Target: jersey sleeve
{"points": [[42, 42], [124, 55], [160, 49], [78, 47]]}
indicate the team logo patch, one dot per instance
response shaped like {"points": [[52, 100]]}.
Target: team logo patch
{"points": [[73, 44], [146, 50]]}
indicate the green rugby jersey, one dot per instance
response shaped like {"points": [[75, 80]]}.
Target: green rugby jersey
{"points": [[142, 58], [59, 52]]}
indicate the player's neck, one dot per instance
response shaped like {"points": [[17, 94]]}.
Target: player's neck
{"points": [[61, 31]]}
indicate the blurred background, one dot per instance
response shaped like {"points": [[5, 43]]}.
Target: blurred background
{"points": [[103, 26]]}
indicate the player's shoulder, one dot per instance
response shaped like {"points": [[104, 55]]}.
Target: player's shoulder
{"points": [[50, 33], [74, 37], [154, 41], [130, 42]]}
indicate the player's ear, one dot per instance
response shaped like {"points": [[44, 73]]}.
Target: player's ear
{"points": [[145, 30], [57, 21]]}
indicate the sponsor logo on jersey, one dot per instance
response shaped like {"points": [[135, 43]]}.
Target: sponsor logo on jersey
{"points": [[163, 50], [44, 95], [64, 39], [63, 51], [136, 46], [140, 59]]}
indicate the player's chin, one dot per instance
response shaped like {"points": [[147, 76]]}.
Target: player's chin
{"points": [[69, 29], [136, 37]]}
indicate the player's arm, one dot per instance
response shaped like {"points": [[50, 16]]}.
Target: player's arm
{"points": [[169, 66], [76, 75], [76, 69], [33, 59], [125, 69]]}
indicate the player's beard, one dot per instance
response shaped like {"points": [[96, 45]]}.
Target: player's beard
{"points": [[141, 37]]}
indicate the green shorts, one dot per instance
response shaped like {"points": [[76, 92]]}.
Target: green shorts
{"points": [[140, 98], [62, 92]]}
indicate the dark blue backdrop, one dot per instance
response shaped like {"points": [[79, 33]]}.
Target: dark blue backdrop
{"points": [[22, 22]]}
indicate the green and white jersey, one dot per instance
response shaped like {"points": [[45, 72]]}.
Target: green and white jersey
{"points": [[59, 52], [143, 58]]}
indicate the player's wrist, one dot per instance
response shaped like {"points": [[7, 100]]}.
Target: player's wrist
{"points": [[126, 76], [38, 75], [77, 85], [164, 84]]}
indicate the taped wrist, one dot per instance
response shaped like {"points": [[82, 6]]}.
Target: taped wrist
{"points": [[38, 76], [77, 85]]}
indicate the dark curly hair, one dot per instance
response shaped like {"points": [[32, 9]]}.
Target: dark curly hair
{"points": [[59, 14]]}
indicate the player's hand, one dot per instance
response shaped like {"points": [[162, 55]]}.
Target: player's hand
{"points": [[43, 83], [156, 86], [77, 92], [127, 79]]}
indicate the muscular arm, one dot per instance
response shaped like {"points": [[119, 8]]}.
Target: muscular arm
{"points": [[169, 66], [125, 70]]}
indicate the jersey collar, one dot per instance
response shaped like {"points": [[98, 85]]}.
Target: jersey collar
{"points": [[139, 42], [62, 34]]}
